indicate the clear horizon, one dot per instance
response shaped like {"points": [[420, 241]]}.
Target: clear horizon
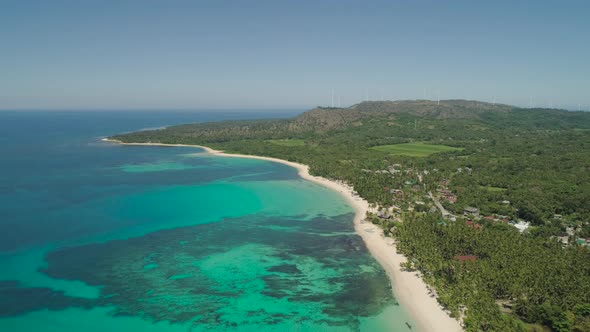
{"points": [[132, 55]]}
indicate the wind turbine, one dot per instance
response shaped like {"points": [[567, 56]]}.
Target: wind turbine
{"points": [[332, 97]]}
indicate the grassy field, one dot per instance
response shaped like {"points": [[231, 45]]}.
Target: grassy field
{"points": [[414, 149], [287, 142], [493, 189]]}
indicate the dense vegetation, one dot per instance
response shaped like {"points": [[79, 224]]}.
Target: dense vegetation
{"points": [[528, 165], [527, 276]]}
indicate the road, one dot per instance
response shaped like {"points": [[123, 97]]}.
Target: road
{"points": [[438, 205]]}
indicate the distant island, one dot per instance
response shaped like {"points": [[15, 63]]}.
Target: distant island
{"points": [[489, 203]]}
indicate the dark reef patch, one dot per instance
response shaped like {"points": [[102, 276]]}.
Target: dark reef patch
{"points": [[198, 274], [285, 268], [16, 300]]}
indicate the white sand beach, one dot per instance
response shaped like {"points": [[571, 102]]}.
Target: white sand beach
{"points": [[408, 287]]}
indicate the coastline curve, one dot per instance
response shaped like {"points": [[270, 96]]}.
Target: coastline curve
{"points": [[408, 288]]}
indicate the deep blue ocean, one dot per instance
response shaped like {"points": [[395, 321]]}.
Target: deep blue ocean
{"points": [[96, 236]]}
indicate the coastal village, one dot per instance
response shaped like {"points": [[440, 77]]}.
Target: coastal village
{"points": [[429, 192]]}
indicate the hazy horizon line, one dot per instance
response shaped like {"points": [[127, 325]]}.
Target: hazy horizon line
{"points": [[265, 109]]}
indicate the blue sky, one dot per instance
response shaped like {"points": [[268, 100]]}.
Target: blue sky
{"points": [[290, 54]]}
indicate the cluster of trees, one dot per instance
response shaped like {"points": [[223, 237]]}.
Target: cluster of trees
{"points": [[534, 278], [537, 159]]}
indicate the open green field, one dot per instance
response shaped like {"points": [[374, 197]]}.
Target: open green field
{"points": [[287, 142], [414, 149], [493, 189]]}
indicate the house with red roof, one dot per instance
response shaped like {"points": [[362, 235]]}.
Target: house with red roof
{"points": [[472, 224]]}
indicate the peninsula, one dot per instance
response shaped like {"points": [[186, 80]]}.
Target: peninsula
{"points": [[478, 212]]}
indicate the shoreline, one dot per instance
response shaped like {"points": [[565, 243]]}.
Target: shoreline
{"points": [[409, 289]]}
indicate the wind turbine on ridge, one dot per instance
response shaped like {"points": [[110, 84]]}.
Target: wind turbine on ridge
{"points": [[332, 97]]}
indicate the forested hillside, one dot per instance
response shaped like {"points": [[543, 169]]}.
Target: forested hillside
{"points": [[514, 183]]}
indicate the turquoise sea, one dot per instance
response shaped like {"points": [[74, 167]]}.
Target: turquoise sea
{"points": [[101, 237]]}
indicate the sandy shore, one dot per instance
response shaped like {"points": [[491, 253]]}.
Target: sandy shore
{"points": [[408, 287]]}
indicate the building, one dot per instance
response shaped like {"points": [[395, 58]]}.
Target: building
{"points": [[471, 211], [472, 224], [466, 258], [384, 214], [563, 239], [522, 226], [397, 192], [448, 195]]}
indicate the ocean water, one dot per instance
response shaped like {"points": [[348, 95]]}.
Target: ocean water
{"points": [[101, 237]]}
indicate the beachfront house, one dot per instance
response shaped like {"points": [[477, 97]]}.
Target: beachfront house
{"points": [[397, 193], [384, 214]]}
